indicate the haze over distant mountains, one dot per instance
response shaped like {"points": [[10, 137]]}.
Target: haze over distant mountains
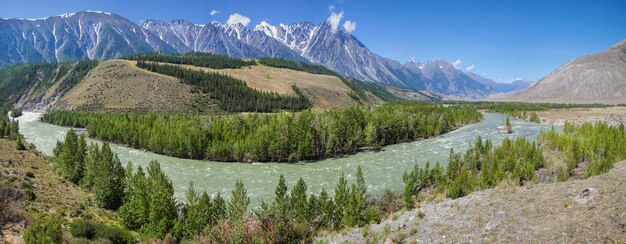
{"points": [[595, 78], [101, 35]]}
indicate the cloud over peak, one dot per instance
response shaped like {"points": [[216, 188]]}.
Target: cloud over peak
{"points": [[349, 26], [236, 18], [214, 12], [457, 63], [470, 68], [334, 20]]}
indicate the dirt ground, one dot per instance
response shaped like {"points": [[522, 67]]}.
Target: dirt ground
{"points": [[611, 115], [577, 211]]}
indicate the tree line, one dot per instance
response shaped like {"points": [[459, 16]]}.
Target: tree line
{"points": [[196, 59], [521, 110], [233, 95], [270, 137], [299, 66]]}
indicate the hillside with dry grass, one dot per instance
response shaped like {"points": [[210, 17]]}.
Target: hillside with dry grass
{"points": [[117, 85], [324, 91]]}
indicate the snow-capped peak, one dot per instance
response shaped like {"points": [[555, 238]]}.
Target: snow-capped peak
{"points": [[66, 15], [97, 12], [266, 28]]}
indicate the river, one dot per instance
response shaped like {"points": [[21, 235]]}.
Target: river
{"points": [[382, 169]]}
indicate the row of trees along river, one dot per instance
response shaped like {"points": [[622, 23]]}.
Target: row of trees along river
{"points": [[270, 137]]}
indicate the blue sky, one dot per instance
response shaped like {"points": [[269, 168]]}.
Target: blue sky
{"points": [[500, 39]]}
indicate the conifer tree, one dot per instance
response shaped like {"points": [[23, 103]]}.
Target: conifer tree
{"points": [[19, 145], [239, 202], [299, 202], [163, 210], [135, 211]]}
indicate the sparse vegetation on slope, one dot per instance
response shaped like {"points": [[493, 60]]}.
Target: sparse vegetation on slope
{"points": [[119, 86]]}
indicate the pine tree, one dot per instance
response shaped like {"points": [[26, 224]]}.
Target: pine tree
{"points": [[108, 178], [299, 202], [163, 210], [239, 202], [341, 198], [135, 211], [281, 199], [508, 128], [19, 145]]}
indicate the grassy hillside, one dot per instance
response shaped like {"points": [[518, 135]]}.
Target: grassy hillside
{"points": [[117, 85], [323, 90]]}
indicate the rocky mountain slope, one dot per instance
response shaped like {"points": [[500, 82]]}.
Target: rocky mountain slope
{"points": [[595, 78], [70, 37], [100, 35], [577, 211], [37, 86]]}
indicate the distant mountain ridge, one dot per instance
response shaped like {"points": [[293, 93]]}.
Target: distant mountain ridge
{"points": [[102, 35], [595, 78]]}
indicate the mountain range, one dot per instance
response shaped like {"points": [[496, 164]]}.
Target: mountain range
{"points": [[101, 35], [595, 78]]}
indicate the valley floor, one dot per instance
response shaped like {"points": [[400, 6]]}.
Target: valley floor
{"points": [[610, 115], [588, 211]]}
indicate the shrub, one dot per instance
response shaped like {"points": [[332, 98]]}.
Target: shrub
{"points": [[94, 231], [45, 231]]}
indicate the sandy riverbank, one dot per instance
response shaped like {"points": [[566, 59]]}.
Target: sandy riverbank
{"points": [[611, 115]]}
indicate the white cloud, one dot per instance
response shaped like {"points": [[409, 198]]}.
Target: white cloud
{"points": [[334, 20], [457, 63], [470, 68], [331, 8], [412, 59], [214, 12], [349, 26], [236, 18]]}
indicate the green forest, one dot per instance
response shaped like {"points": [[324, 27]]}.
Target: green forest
{"points": [[233, 95], [270, 137], [196, 59]]}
